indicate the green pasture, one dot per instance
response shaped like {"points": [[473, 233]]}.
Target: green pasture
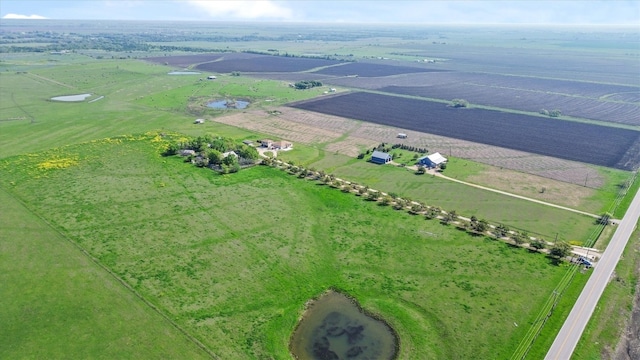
{"points": [[233, 258], [138, 97], [537, 219], [56, 303]]}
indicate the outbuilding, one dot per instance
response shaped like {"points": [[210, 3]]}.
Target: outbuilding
{"points": [[433, 160], [379, 157], [211, 77]]}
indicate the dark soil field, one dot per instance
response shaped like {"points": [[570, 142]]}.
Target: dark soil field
{"points": [[244, 62], [588, 143], [183, 61], [373, 70], [264, 63], [583, 65], [528, 100]]}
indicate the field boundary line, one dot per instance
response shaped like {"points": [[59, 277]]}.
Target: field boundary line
{"points": [[116, 277]]}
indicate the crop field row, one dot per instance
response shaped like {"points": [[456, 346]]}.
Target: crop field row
{"points": [[307, 127], [586, 143], [526, 100], [551, 63]]}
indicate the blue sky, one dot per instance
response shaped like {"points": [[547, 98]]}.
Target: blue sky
{"points": [[621, 12]]}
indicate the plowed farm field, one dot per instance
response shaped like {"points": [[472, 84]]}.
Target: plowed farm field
{"points": [[588, 143], [372, 70], [528, 100]]}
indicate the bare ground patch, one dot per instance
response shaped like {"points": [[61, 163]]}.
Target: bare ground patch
{"points": [[348, 137]]}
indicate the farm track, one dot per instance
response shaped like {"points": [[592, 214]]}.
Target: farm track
{"points": [[50, 80], [516, 196]]}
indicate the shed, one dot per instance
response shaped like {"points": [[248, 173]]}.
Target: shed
{"points": [[211, 77], [268, 143], [433, 160], [379, 157], [199, 121], [282, 145], [402, 135], [187, 152]]}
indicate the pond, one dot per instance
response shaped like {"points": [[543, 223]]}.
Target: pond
{"points": [[228, 104], [183, 73], [70, 98], [335, 327]]}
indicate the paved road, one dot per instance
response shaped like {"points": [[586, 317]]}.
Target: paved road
{"points": [[573, 327]]}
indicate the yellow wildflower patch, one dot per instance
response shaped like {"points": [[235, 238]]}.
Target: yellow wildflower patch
{"points": [[57, 163]]}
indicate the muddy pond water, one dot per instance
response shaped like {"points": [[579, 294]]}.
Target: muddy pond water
{"points": [[228, 104], [334, 327]]}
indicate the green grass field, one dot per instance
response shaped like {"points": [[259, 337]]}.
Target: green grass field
{"points": [[58, 304], [466, 200], [233, 258]]}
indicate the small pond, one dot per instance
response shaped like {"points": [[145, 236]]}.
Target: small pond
{"points": [[70, 98], [334, 327], [183, 73], [228, 104]]}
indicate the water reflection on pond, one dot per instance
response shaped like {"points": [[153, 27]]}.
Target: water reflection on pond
{"points": [[228, 104], [334, 327], [183, 73]]}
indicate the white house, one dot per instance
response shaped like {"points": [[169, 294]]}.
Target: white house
{"points": [[433, 160]]}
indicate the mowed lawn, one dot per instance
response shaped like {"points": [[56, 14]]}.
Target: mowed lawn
{"points": [[233, 258], [55, 303]]}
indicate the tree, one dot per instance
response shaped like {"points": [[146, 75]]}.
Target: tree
{"points": [[432, 213], [214, 156], [373, 195], [518, 238], [459, 103], [171, 149], [501, 231], [385, 201], [421, 170], [443, 166], [560, 249], [230, 161], [449, 217], [555, 113], [538, 244], [416, 208], [481, 226], [604, 219]]}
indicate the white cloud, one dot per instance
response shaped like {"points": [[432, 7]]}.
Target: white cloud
{"points": [[243, 9], [18, 16]]}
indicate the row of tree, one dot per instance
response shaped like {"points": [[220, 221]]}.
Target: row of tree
{"points": [[473, 226], [307, 84]]}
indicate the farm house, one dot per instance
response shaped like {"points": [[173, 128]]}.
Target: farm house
{"points": [[433, 160], [379, 157]]}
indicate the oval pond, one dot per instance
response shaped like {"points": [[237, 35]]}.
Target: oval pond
{"points": [[228, 104], [335, 327], [70, 98]]}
